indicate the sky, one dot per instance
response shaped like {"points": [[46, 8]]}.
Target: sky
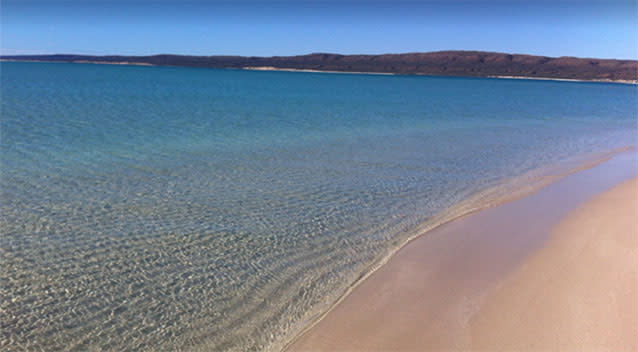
{"points": [[597, 29]]}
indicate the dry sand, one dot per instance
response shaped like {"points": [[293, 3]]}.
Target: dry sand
{"points": [[579, 292], [556, 270]]}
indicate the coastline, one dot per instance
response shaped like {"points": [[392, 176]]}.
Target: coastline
{"points": [[271, 68], [621, 81], [125, 63], [112, 63], [342, 317]]}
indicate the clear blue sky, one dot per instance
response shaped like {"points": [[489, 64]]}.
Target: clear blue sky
{"points": [[602, 29]]}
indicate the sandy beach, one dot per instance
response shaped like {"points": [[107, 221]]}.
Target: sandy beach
{"points": [[284, 69], [622, 81], [578, 292], [271, 68], [557, 270]]}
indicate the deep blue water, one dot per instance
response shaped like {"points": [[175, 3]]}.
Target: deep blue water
{"points": [[161, 208]]}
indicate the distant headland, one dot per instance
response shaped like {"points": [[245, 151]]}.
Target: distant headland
{"points": [[441, 63]]}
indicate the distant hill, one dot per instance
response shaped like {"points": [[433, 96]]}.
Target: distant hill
{"points": [[441, 63]]}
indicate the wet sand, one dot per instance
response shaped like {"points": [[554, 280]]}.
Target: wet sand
{"points": [[532, 274]]}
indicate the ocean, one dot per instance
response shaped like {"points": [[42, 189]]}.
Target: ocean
{"points": [[168, 208]]}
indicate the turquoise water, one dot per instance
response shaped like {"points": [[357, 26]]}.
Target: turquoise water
{"points": [[164, 208]]}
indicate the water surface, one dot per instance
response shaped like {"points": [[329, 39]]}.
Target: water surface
{"points": [[162, 208]]}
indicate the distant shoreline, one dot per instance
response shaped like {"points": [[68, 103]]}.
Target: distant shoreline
{"points": [[84, 62], [284, 69], [403, 64], [623, 81], [270, 68], [112, 63]]}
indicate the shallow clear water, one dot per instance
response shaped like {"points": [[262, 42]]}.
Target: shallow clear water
{"points": [[161, 208]]}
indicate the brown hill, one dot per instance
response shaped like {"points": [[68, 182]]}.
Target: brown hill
{"points": [[442, 63]]}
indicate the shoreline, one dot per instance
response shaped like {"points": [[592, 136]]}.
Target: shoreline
{"points": [[278, 69], [621, 81], [283, 69], [442, 225], [112, 63], [123, 63]]}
